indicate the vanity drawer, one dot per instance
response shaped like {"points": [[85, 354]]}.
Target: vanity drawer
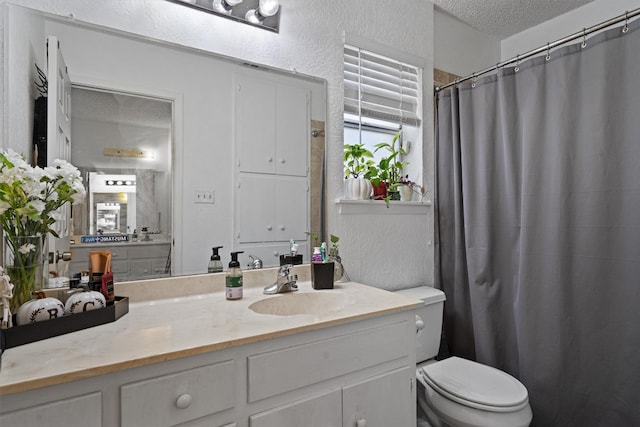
{"points": [[180, 397], [83, 410], [118, 252], [140, 268], [80, 255], [323, 410], [315, 362], [160, 250], [120, 267]]}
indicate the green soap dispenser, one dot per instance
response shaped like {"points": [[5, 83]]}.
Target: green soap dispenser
{"points": [[233, 282], [215, 265]]}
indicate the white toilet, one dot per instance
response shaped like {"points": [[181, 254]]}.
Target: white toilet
{"points": [[457, 392]]}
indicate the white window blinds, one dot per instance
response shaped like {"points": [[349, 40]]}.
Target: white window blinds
{"points": [[381, 88]]}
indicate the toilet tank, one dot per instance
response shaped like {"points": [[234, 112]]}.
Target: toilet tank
{"points": [[427, 339]]}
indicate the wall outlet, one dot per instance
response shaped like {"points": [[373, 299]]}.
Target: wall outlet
{"points": [[203, 196]]}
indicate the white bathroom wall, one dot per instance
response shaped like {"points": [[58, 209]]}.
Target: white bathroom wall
{"points": [[564, 25], [310, 41], [460, 49]]}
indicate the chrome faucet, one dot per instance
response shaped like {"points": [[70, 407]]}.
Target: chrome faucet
{"points": [[286, 281], [256, 263]]}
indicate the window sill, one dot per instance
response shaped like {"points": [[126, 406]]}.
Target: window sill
{"points": [[379, 207]]}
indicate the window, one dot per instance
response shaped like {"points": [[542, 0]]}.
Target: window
{"points": [[381, 96]]}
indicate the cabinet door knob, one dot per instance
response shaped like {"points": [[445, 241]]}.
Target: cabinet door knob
{"points": [[270, 159], [183, 401], [361, 423], [282, 227], [282, 161], [269, 227]]}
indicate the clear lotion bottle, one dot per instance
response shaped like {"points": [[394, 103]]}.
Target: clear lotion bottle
{"points": [[233, 282]]}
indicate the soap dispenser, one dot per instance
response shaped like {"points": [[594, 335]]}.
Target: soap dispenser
{"points": [[233, 282], [215, 265]]}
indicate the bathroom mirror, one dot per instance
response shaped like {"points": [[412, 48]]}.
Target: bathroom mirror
{"points": [[199, 183]]}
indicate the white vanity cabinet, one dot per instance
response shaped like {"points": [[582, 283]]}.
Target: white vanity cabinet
{"points": [[350, 374], [382, 401], [369, 368], [191, 391], [129, 261]]}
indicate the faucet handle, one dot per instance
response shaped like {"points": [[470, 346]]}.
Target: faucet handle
{"points": [[284, 269]]}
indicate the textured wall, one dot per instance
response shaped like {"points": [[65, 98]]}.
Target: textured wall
{"points": [[569, 23], [460, 49], [310, 41]]}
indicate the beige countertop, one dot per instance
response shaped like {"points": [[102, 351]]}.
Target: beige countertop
{"points": [[177, 326]]}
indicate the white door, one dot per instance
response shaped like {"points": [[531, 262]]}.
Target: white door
{"points": [[58, 133], [293, 130], [255, 125]]}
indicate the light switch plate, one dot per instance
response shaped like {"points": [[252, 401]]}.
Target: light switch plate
{"points": [[204, 196]]}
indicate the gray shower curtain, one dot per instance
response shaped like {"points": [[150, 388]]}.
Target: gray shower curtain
{"points": [[538, 223]]}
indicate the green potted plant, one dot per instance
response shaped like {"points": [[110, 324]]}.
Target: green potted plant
{"points": [[333, 255], [357, 161], [408, 187], [386, 175]]}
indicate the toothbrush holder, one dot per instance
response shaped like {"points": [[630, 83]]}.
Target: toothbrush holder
{"points": [[322, 275]]}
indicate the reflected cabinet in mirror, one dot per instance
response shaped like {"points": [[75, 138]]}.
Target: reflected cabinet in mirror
{"points": [[181, 150]]}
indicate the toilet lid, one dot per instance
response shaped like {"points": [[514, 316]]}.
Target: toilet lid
{"points": [[475, 385]]}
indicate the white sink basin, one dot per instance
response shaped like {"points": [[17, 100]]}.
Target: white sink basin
{"points": [[290, 304]]}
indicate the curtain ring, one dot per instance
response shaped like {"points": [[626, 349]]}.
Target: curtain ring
{"points": [[625, 29], [517, 68], [548, 57], [584, 38], [473, 80]]}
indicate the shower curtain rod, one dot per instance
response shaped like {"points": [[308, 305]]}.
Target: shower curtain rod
{"points": [[625, 17]]}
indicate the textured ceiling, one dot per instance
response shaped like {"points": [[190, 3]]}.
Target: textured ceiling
{"points": [[503, 18]]}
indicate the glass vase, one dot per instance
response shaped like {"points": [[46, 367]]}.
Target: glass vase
{"points": [[338, 270], [23, 263]]}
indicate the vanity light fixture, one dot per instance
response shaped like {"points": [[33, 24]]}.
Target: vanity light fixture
{"points": [[259, 13], [224, 6], [266, 8], [132, 153]]}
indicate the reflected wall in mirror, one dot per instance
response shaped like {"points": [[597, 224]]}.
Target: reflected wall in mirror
{"points": [[203, 157], [122, 146]]}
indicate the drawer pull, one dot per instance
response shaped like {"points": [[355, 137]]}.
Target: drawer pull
{"points": [[183, 401]]}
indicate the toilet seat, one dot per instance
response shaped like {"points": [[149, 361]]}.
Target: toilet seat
{"points": [[475, 385]]}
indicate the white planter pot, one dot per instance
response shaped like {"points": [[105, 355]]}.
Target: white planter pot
{"points": [[358, 189], [406, 193]]}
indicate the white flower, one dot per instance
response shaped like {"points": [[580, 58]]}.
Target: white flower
{"points": [[38, 205], [34, 190], [26, 248], [17, 160]]}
